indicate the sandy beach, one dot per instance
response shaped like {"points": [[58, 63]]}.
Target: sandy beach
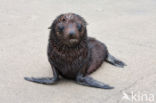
{"points": [[127, 27]]}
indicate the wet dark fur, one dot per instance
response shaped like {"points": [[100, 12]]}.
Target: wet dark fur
{"points": [[75, 61], [69, 61]]}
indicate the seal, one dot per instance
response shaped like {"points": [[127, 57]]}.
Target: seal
{"points": [[74, 55]]}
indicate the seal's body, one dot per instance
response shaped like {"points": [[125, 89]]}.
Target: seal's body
{"points": [[89, 55], [74, 55]]}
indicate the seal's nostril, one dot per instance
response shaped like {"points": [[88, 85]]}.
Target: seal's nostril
{"points": [[71, 33]]}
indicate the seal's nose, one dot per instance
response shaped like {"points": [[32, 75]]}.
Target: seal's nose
{"points": [[71, 33], [71, 30]]}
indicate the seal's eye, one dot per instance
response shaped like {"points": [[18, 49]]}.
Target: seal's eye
{"points": [[79, 26], [63, 19], [61, 28]]}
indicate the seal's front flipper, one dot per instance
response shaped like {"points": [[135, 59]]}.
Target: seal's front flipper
{"points": [[49, 81], [88, 81], [42, 80], [112, 60]]}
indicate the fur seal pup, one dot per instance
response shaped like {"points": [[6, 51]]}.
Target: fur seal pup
{"points": [[74, 55]]}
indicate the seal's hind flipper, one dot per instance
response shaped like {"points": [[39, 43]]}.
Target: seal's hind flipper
{"points": [[41, 80], [112, 60]]}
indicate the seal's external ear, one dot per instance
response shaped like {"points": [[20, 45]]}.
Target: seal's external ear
{"points": [[53, 24], [50, 27], [86, 23]]}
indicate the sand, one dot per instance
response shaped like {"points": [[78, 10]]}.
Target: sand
{"points": [[127, 27]]}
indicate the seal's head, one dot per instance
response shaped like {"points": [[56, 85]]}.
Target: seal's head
{"points": [[69, 29]]}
